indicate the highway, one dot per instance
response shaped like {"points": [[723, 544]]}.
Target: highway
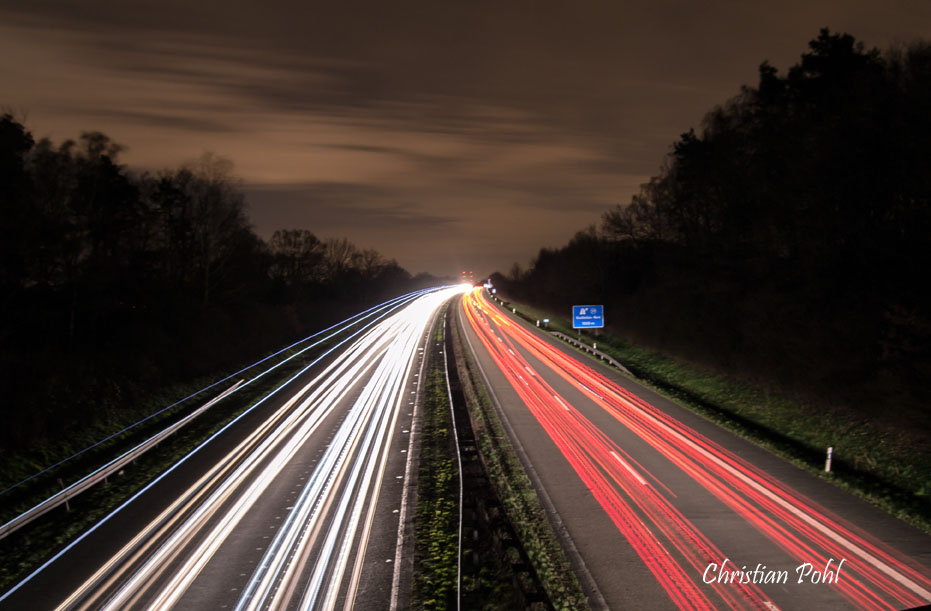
{"points": [[296, 508], [661, 509]]}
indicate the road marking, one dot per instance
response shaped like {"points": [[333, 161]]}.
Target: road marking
{"points": [[629, 468], [561, 402]]}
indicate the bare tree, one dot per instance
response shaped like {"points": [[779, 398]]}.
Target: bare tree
{"points": [[297, 256], [217, 216], [340, 256]]}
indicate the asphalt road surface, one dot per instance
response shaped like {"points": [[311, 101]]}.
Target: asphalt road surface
{"points": [[662, 509]]}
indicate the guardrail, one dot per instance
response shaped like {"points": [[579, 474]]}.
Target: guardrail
{"points": [[103, 472], [590, 349]]}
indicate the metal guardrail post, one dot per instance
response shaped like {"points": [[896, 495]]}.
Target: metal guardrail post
{"points": [[592, 350]]}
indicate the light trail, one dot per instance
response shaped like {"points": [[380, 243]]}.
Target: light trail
{"points": [[876, 576], [375, 313], [335, 328], [305, 566]]}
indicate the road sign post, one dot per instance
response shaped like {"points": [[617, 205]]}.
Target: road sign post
{"points": [[588, 317]]}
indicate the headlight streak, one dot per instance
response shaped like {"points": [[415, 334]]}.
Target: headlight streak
{"points": [[385, 389], [398, 366], [150, 553], [341, 370], [368, 348], [805, 530], [303, 516], [339, 326], [183, 577], [320, 479]]}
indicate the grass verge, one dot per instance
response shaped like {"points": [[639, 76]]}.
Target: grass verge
{"points": [[874, 463], [488, 580], [436, 523], [514, 488]]}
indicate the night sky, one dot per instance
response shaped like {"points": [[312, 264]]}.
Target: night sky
{"points": [[444, 134]]}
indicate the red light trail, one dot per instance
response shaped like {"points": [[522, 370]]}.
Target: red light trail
{"points": [[875, 576]]}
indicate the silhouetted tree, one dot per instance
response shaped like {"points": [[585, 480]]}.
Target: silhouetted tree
{"points": [[217, 218], [340, 254], [114, 283], [17, 247], [794, 222], [298, 257]]}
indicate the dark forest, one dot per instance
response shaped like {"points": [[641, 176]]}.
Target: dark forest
{"points": [[786, 242], [115, 283]]}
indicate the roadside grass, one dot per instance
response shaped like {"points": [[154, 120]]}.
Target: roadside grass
{"points": [[26, 549], [487, 579], [868, 460], [514, 488], [437, 519]]}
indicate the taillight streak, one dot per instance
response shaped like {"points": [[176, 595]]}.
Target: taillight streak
{"points": [[798, 525], [597, 460]]}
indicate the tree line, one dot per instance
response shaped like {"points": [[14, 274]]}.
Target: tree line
{"points": [[114, 282], [787, 240]]}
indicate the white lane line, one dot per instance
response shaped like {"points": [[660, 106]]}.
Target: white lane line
{"points": [[629, 468]]}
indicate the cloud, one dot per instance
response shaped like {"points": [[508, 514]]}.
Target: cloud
{"points": [[435, 132], [337, 205], [186, 124], [385, 218]]}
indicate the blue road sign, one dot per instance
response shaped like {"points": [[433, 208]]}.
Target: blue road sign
{"points": [[588, 317]]}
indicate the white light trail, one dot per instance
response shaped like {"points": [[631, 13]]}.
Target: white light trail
{"points": [[307, 561]]}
